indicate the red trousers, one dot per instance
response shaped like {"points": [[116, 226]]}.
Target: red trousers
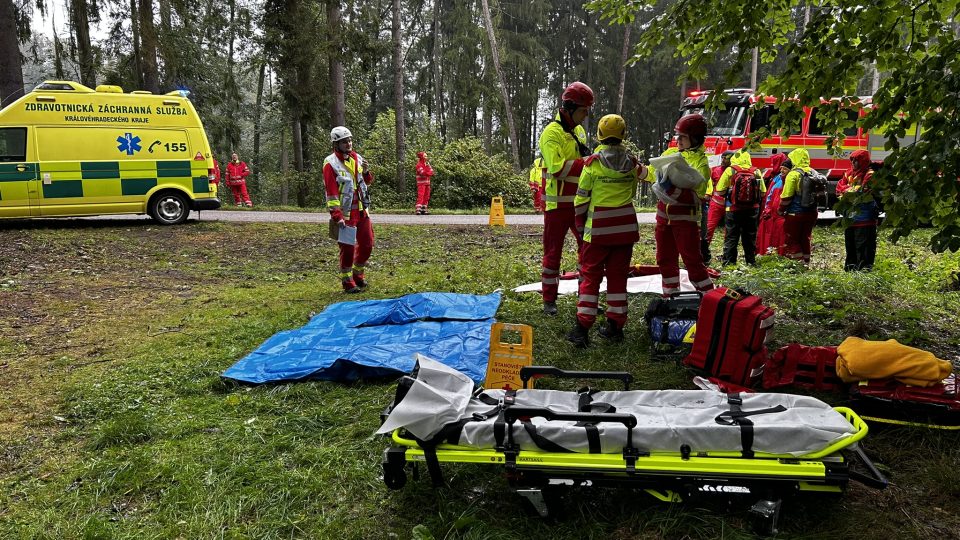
{"points": [[797, 231], [595, 263], [680, 239], [240, 195], [353, 259], [423, 195], [715, 218], [556, 223]]}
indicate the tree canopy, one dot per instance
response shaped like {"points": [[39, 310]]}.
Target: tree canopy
{"points": [[914, 43]]}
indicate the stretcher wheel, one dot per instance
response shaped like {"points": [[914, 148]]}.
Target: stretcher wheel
{"points": [[394, 477]]}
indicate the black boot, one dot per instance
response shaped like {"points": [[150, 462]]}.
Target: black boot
{"points": [[579, 335], [611, 332], [550, 308]]}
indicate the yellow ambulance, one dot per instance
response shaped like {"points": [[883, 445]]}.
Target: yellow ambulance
{"points": [[67, 150]]}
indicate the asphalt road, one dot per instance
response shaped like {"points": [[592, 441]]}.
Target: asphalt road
{"points": [[247, 216]]}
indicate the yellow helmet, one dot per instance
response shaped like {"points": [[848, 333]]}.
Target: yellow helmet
{"points": [[611, 125]]}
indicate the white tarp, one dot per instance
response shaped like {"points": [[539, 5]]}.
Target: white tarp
{"points": [[666, 419], [636, 285]]}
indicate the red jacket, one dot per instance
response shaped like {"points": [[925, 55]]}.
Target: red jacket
{"points": [[216, 173], [424, 172], [237, 173]]}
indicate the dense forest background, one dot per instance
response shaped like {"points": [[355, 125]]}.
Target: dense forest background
{"points": [[271, 78]]}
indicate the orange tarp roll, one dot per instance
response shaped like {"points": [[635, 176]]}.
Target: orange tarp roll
{"points": [[859, 360]]}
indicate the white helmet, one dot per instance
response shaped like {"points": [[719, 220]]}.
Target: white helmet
{"points": [[339, 133]]}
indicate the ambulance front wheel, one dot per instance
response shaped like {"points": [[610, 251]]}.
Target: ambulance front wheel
{"points": [[169, 208]]}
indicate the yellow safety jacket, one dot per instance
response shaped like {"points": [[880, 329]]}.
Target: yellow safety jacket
{"points": [[607, 186], [562, 162]]}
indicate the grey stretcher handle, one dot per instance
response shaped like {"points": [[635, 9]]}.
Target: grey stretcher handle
{"points": [[534, 372], [511, 414]]}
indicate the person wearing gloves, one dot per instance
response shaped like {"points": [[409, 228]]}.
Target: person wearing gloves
{"points": [[681, 180], [563, 145], [860, 237], [607, 187], [742, 188], [424, 173], [237, 173], [346, 179], [798, 220]]}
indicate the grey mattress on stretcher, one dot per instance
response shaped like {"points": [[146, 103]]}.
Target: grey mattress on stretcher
{"points": [[666, 419]]}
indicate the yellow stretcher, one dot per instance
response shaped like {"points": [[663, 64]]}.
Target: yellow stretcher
{"points": [[762, 479]]}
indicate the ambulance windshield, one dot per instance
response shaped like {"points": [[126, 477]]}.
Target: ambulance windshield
{"points": [[726, 123]]}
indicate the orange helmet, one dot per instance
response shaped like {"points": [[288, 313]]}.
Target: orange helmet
{"points": [[578, 93]]}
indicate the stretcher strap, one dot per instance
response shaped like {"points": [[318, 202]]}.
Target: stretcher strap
{"points": [[736, 416], [586, 404], [542, 442]]}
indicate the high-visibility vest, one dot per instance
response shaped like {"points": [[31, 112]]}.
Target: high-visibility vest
{"points": [[560, 151], [607, 186], [349, 182]]}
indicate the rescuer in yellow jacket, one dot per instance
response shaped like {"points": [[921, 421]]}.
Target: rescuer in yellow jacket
{"points": [[563, 145], [606, 189], [536, 184]]}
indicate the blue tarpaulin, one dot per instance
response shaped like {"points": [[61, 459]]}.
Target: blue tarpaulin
{"points": [[378, 338]]}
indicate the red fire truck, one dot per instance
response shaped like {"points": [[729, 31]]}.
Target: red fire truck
{"points": [[729, 130]]}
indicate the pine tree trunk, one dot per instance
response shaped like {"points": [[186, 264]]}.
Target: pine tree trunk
{"points": [[57, 51], [148, 47], [508, 110], [338, 110], [80, 20], [171, 71], [435, 68], [624, 56], [298, 159], [231, 92], [137, 57], [257, 115], [285, 168], [398, 99], [11, 70]]}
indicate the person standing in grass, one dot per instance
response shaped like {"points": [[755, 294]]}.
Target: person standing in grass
{"points": [[770, 231], [607, 187], [563, 145], [424, 173], [345, 180], [860, 237], [742, 188], [714, 207], [536, 184], [679, 203], [798, 220]]}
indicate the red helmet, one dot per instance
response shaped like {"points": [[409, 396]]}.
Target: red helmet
{"points": [[693, 126], [578, 93]]}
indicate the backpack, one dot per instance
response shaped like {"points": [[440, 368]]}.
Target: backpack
{"points": [[744, 188], [813, 186]]}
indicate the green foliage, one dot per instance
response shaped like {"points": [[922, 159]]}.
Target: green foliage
{"points": [[465, 176], [915, 43]]}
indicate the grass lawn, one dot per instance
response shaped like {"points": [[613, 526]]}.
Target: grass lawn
{"points": [[115, 423]]}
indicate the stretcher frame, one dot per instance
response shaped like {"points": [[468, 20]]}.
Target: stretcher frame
{"points": [[668, 476]]}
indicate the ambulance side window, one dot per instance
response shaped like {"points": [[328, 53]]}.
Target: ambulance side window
{"points": [[13, 144], [815, 129]]}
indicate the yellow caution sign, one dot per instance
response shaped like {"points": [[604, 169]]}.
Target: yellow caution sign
{"points": [[496, 212], [506, 359]]}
